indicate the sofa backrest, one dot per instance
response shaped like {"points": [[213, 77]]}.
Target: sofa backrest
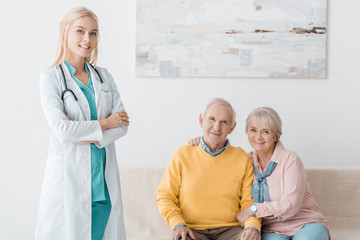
{"points": [[337, 192], [142, 219]]}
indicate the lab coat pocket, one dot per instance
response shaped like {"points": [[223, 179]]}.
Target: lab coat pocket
{"points": [[72, 108], [105, 103], [54, 180]]}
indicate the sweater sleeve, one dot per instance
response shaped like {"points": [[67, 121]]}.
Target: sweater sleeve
{"points": [[246, 197], [290, 202], [168, 193]]}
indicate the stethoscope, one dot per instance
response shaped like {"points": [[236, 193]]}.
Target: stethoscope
{"points": [[69, 90]]}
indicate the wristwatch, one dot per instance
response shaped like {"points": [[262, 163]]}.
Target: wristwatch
{"points": [[253, 209]]}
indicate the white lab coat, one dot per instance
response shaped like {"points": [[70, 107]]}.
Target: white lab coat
{"points": [[65, 203]]}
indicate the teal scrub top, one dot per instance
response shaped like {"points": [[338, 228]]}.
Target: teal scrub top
{"points": [[99, 191]]}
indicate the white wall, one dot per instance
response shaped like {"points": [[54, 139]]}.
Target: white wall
{"points": [[321, 117]]}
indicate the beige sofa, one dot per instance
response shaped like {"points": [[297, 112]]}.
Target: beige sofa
{"points": [[336, 191]]}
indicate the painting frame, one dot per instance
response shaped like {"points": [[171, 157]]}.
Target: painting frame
{"points": [[239, 39]]}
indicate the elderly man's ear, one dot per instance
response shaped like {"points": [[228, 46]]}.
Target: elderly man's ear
{"points": [[233, 127]]}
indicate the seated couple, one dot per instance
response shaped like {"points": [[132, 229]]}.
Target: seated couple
{"points": [[212, 190]]}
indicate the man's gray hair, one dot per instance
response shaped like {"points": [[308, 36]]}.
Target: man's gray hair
{"points": [[223, 102]]}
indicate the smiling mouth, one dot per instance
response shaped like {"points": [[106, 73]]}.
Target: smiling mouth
{"points": [[216, 134], [86, 47]]}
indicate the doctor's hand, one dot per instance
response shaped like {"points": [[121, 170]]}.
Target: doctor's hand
{"points": [[194, 141], [181, 233], [115, 120]]}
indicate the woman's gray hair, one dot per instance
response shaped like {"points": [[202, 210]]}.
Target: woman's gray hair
{"points": [[223, 102], [267, 117]]}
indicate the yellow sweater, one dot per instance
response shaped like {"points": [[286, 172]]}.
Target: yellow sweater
{"points": [[206, 192]]}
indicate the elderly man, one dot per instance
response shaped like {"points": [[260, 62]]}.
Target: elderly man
{"points": [[205, 187]]}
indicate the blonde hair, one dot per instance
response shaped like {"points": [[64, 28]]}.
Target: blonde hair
{"points": [[64, 25], [223, 102], [267, 117]]}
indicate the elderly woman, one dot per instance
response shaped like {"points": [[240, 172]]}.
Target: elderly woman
{"points": [[280, 189]]}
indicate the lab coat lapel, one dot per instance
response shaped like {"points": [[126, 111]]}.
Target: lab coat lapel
{"points": [[96, 84], [82, 101]]}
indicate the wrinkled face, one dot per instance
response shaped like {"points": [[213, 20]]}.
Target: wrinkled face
{"points": [[261, 139], [217, 124], [82, 37]]}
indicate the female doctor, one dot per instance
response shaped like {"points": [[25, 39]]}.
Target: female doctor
{"points": [[81, 198]]}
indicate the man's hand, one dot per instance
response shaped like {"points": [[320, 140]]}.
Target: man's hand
{"points": [[250, 234], [244, 215], [181, 233]]}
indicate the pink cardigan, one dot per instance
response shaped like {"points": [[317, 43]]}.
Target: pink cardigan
{"points": [[291, 203]]}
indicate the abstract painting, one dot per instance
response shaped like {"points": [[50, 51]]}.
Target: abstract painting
{"points": [[231, 38]]}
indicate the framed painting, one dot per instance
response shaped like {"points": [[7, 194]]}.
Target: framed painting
{"points": [[228, 38]]}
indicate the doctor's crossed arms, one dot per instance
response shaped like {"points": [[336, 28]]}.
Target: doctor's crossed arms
{"points": [[115, 120]]}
